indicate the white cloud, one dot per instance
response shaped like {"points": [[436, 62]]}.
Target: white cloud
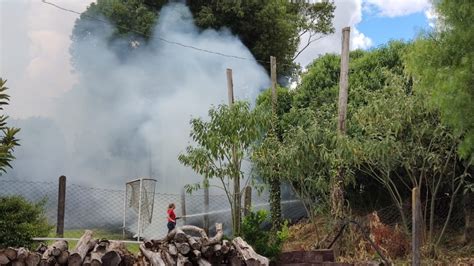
{"points": [[347, 13], [359, 40], [396, 8], [432, 16]]}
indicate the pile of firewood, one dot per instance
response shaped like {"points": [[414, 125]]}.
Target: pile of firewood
{"points": [[190, 245], [186, 245], [88, 251]]}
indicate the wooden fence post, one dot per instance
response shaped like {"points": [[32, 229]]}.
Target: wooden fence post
{"points": [[61, 206], [183, 205], [416, 227], [247, 200], [206, 209]]}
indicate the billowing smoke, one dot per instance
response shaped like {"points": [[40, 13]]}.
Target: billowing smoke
{"points": [[128, 118]]}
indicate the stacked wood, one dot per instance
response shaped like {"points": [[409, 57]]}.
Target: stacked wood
{"points": [[190, 245], [184, 246], [19, 257]]}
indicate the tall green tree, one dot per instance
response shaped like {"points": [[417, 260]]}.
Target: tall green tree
{"points": [[266, 27], [221, 145], [442, 62], [8, 139], [265, 153]]}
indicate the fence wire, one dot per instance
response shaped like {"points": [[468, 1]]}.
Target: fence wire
{"points": [[106, 210]]}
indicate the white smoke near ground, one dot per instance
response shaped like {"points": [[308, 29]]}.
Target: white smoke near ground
{"points": [[130, 118]]}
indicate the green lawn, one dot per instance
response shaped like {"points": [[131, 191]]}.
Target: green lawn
{"points": [[98, 233]]}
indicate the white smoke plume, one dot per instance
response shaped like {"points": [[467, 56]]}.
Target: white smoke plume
{"points": [[130, 118]]}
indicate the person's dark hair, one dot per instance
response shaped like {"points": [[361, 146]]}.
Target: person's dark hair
{"points": [[171, 205]]}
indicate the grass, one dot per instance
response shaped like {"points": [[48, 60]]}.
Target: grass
{"points": [[98, 233]]}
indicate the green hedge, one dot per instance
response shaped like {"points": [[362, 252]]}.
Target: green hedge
{"points": [[20, 221]]}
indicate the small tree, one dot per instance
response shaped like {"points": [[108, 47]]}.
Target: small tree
{"points": [[20, 221], [7, 139], [222, 143]]}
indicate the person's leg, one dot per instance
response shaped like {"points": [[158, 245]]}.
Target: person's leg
{"points": [[170, 226]]}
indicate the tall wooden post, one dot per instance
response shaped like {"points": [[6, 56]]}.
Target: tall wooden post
{"points": [[183, 205], [236, 222], [275, 190], [344, 81], [416, 227], [206, 208], [274, 83], [61, 206], [337, 191]]}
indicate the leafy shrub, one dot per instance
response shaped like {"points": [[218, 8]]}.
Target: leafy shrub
{"points": [[20, 221], [266, 243]]}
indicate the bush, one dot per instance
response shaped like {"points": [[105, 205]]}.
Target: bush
{"points": [[20, 221], [266, 243]]}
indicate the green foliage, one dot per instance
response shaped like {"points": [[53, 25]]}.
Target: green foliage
{"points": [[221, 144], [267, 28], [20, 221], [266, 243], [442, 63], [8, 140]]}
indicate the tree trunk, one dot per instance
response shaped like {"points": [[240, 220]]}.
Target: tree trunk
{"points": [[468, 206], [275, 203]]}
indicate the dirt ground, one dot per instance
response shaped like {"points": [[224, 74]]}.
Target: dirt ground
{"points": [[306, 236]]}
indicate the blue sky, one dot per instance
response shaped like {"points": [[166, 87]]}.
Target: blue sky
{"points": [[383, 29]]}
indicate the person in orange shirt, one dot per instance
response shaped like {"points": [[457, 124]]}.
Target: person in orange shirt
{"points": [[171, 217]]}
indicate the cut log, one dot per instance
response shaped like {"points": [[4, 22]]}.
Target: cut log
{"points": [[99, 251], [21, 254], [235, 261], [41, 248], [217, 250], [10, 253], [195, 229], [196, 254], [207, 251], [32, 259], [183, 261], [194, 243], [153, 257], [83, 246], [217, 238], [225, 247], [168, 258], [203, 262], [63, 257], [180, 236], [172, 249], [114, 253], [87, 260], [183, 248], [3, 258], [18, 263], [248, 255], [55, 249]]}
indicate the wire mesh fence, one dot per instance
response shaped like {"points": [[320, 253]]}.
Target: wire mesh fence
{"points": [[112, 210], [109, 210]]}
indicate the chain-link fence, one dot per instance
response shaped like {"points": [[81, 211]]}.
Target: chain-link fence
{"points": [[109, 209]]}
